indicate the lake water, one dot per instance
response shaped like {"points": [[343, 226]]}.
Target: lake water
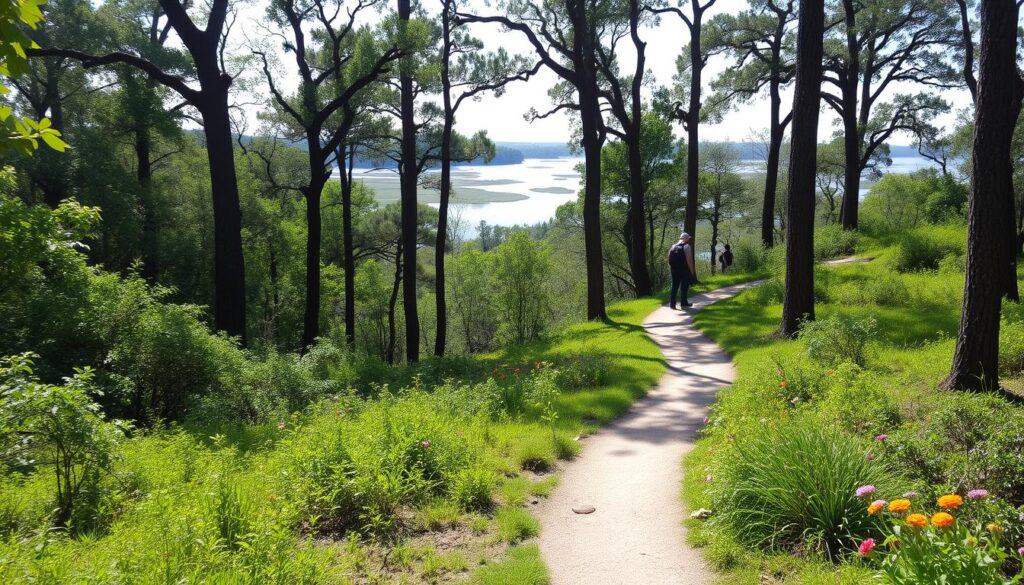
{"points": [[528, 192]]}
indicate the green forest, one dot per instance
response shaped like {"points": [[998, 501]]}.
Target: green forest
{"points": [[227, 357]]}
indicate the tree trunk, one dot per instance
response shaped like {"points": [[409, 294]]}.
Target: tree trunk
{"points": [[229, 267], [693, 127], [976, 359], [848, 212], [389, 354], [771, 178], [637, 202], [346, 157], [798, 301], [590, 118], [408, 178], [441, 241], [150, 227], [311, 319]]}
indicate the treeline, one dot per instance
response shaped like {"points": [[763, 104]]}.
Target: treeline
{"points": [[266, 237]]}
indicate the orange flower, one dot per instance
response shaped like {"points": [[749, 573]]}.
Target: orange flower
{"points": [[950, 502], [917, 520], [899, 506], [876, 507], [942, 520]]}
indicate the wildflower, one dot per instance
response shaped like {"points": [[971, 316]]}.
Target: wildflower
{"points": [[709, 478], [881, 438], [706, 420], [876, 507], [977, 494], [865, 490], [783, 383], [899, 506], [917, 520], [870, 456], [942, 520], [995, 528], [950, 502], [280, 425], [425, 444], [910, 494], [866, 547], [1020, 551], [971, 541], [829, 372]]}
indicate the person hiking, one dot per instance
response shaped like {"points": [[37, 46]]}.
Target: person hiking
{"points": [[725, 259], [680, 264]]}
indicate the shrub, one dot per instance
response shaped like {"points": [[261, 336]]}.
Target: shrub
{"points": [[749, 255], [472, 487], [59, 427], [924, 248], [1011, 347], [832, 241], [838, 339], [582, 370], [793, 486]]}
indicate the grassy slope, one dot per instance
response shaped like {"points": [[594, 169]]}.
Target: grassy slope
{"points": [[912, 353]]}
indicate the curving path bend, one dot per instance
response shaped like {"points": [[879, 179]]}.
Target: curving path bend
{"points": [[630, 471]]}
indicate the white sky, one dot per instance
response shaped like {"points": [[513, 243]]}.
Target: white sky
{"points": [[503, 117]]}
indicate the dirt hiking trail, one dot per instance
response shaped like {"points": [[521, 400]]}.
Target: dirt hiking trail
{"points": [[630, 471]]}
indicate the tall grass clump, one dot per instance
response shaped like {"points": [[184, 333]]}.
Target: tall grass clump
{"points": [[793, 487], [926, 247]]}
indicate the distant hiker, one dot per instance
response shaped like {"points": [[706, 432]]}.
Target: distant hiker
{"points": [[725, 259], [680, 264]]}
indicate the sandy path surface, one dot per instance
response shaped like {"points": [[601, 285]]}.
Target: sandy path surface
{"points": [[630, 471]]}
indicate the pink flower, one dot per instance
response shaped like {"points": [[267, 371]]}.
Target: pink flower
{"points": [[1020, 551], [910, 494], [865, 490], [709, 478], [977, 494], [706, 420], [870, 456], [866, 547], [425, 444], [881, 438]]}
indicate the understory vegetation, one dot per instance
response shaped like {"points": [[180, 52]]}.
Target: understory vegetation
{"points": [[832, 451]]}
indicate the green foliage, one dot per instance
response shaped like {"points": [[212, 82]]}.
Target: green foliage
{"points": [[898, 202], [749, 255], [21, 134], [832, 241], [1011, 347], [791, 486], [521, 270], [522, 567], [58, 428], [516, 524], [925, 248], [839, 339]]}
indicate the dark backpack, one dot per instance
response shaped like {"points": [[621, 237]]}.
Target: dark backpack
{"points": [[677, 256]]}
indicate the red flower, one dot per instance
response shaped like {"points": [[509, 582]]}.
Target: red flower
{"points": [[866, 547]]}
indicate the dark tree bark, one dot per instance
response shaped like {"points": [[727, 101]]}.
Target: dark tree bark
{"points": [[968, 48], [408, 179], [630, 117], [798, 301], [584, 39], [150, 227], [849, 77], [989, 251], [346, 160]]}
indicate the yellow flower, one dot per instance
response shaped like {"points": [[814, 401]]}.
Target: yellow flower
{"points": [[942, 520], [899, 506], [995, 528], [950, 502], [917, 520]]}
